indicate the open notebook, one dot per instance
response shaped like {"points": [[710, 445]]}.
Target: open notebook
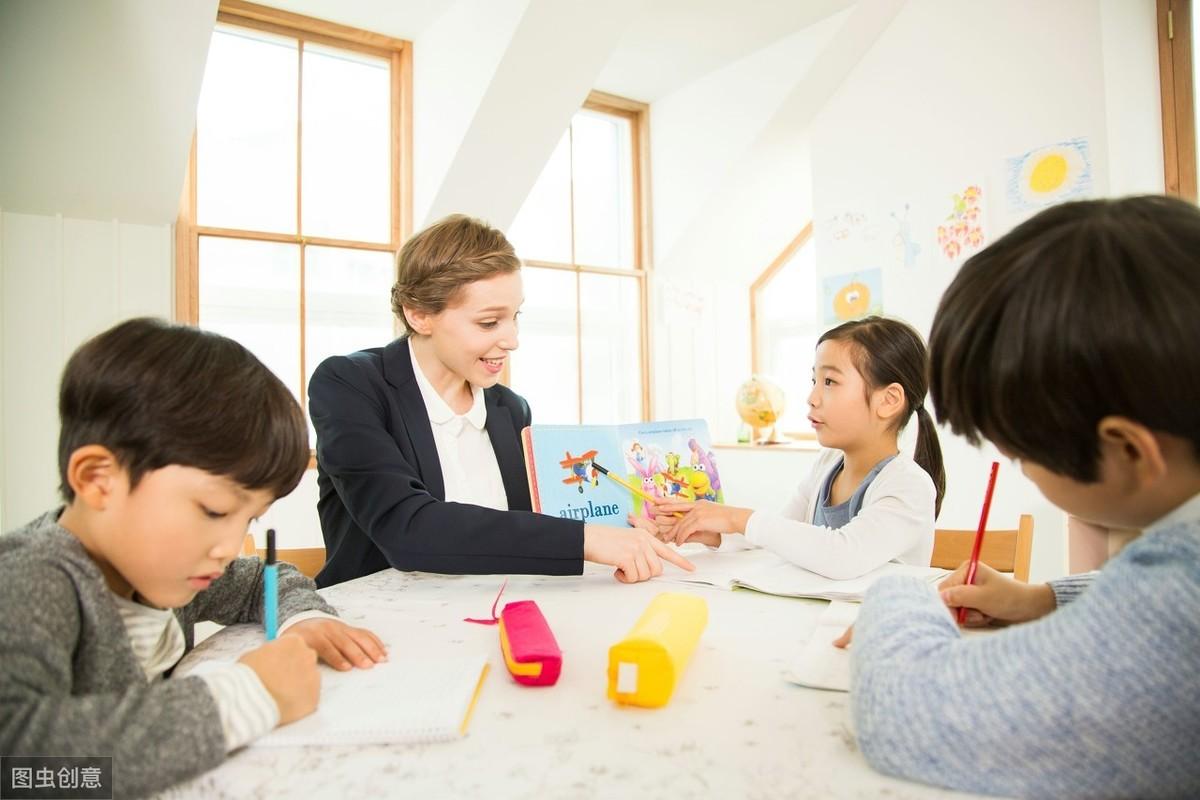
{"points": [[763, 571], [396, 701], [820, 665]]}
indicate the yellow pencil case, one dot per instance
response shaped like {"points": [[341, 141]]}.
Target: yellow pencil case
{"points": [[644, 667]]}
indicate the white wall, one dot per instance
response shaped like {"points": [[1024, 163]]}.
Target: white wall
{"points": [[1132, 108], [97, 108], [62, 280], [936, 101], [947, 93]]}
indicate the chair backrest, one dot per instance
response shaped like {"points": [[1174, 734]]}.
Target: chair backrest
{"points": [[309, 560], [1003, 550]]}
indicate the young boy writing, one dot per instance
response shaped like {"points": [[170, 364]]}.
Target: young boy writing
{"points": [[1071, 343], [172, 441]]}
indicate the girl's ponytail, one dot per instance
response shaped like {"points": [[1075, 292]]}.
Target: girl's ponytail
{"points": [[928, 454]]}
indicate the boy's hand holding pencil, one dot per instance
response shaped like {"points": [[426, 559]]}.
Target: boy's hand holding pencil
{"points": [[994, 598], [287, 667]]}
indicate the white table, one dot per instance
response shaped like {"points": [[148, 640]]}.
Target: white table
{"points": [[733, 729]]}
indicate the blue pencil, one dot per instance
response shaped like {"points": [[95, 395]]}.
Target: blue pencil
{"points": [[271, 589]]}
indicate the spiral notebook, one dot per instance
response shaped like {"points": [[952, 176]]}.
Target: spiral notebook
{"points": [[398, 701]]}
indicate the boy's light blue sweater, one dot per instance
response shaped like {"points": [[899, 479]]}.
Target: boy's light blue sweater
{"points": [[1100, 698]]}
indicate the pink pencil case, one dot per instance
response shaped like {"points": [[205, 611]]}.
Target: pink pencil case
{"points": [[530, 651]]}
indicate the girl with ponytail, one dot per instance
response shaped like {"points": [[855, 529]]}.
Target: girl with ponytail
{"points": [[865, 503]]}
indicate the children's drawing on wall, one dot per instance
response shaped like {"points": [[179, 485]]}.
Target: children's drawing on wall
{"points": [[849, 226], [961, 233], [684, 299], [906, 248], [1049, 175], [851, 236], [852, 295]]}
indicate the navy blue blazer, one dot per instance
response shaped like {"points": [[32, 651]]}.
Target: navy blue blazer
{"points": [[382, 498]]}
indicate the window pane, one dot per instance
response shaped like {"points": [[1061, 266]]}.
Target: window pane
{"points": [[545, 369], [250, 291], [602, 178], [246, 133], [347, 302], [788, 330], [542, 229], [612, 335], [346, 167]]}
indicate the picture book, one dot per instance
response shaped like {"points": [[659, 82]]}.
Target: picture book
{"points": [[566, 465]]}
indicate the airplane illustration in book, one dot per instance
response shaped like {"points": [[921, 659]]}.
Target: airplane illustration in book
{"points": [[579, 468]]}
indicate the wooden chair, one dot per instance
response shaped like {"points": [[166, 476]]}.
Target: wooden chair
{"points": [[1003, 550], [309, 560]]}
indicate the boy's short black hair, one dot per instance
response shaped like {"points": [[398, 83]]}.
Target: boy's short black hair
{"points": [[1086, 310], [157, 394]]}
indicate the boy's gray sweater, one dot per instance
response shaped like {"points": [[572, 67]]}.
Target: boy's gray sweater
{"points": [[69, 682], [1099, 699]]}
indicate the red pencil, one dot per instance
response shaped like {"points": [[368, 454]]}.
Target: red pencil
{"points": [[974, 563]]}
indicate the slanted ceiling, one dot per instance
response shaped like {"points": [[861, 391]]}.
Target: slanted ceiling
{"points": [[97, 105]]}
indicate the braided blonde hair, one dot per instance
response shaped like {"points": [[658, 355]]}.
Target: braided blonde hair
{"points": [[435, 264]]}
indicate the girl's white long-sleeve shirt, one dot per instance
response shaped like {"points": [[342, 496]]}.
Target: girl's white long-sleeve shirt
{"points": [[895, 523]]}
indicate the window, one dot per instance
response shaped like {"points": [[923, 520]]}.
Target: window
{"points": [[583, 235], [784, 328], [1177, 33], [298, 192]]}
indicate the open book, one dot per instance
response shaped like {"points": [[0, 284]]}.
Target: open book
{"points": [[763, 571], [402, 700], [655, 459]]}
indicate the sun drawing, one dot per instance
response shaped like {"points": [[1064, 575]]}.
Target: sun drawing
{"points": [[1050, 174]]}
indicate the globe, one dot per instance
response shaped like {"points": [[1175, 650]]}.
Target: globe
{"points": [[760, 404]]}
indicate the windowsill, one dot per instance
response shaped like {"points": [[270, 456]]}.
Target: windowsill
{"points": [[794, 445]]}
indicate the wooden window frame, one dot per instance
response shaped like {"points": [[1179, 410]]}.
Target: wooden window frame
{"points": [[759, 283], [305, 30], [1178, 97], [638, 115]]}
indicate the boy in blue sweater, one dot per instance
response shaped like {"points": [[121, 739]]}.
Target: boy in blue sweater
{"points": [[172, 440], [1073, 344]]}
